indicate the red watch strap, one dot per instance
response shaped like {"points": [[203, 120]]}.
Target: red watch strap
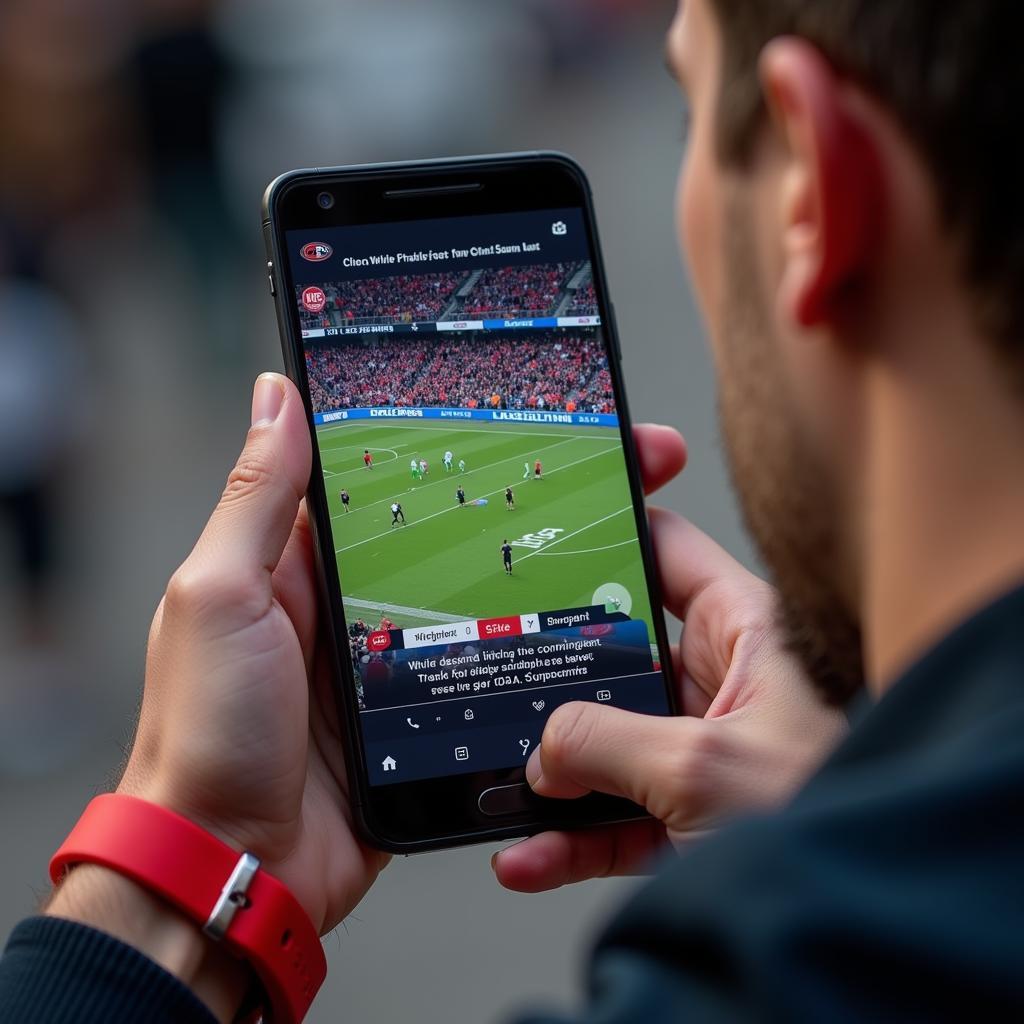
{"points": [[190, 868]]}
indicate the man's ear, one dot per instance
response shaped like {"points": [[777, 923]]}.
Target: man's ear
{"points": [[832, 184]]}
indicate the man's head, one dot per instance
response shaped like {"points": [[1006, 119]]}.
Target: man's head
{"points": [[847, 198]]}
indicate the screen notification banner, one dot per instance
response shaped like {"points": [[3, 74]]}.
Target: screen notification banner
{"points": [[501, 655]]}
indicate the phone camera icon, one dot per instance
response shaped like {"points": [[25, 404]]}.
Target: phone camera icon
{"points": [[559, 228]]}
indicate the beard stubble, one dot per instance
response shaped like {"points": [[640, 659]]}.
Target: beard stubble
{"points": [[787, 496]]}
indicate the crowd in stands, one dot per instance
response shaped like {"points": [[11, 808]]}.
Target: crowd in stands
{"points": [[358, 376], [559, 370], [501, 292], [518, 291], [584, 302], [405, 298], [370, 667]]}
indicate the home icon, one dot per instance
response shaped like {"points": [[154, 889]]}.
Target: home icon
{"points": [[390, 764]]}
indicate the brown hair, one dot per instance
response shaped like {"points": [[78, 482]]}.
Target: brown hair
{"points": [[952, 73]]}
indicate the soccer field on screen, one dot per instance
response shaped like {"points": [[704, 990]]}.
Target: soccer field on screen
{"points": [[445, 564]]}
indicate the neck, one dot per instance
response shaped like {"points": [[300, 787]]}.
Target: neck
{"points": [[944, 532]]}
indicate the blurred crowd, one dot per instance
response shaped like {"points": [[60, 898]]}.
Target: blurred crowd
{"points": [[558, 370], [545, 289]]}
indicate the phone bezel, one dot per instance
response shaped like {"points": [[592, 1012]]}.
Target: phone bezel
{"points": [[441, 812]]}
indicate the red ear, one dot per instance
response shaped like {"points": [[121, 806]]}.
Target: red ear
{"points": [[850, 195], [844, 168]]}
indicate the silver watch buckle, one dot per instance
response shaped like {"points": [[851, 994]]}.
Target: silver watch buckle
{"points": [[232, 897]]}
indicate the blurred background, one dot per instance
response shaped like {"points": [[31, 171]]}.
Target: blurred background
{"points": [[138, 136]]}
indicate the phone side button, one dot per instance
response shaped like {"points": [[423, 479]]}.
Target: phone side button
{"points": [[270, 278], [504, 800]]}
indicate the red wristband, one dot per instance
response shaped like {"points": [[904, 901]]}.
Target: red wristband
{"points": [[251, 912]]}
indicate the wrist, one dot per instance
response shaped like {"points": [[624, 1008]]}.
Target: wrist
{"points": [[103, 899], [249, 913]]}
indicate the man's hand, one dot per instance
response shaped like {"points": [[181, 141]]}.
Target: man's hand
{"points": [[753, 729], [238, 729]]}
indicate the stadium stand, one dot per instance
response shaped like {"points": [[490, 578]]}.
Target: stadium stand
{"points": [[510, 292], [500, 293], [584, 302], [562, 370], [383, 299]]}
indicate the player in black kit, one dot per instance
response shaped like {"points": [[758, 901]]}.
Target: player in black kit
{"points": [[344, 499], [506, 556], [461, 495], [510, 501]]}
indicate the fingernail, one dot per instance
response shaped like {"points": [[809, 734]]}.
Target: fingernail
{"points": [[267, 399], [533, 767]]}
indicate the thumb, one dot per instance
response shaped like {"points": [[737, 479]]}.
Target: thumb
{"points": [[247, 532], [588, 747]]}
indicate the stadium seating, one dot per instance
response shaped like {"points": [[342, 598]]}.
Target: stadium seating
{"points": [[500, 293], [530, 371], [584, 302], [384, 299], [518, 291]]}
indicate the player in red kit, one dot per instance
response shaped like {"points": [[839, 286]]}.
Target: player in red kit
{"points": [[367, 458], [536, 470]]}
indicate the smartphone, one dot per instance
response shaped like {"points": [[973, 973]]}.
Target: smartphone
{"points": [[475, 501]]}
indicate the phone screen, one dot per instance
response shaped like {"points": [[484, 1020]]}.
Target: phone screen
{"points": [[467, 419]]}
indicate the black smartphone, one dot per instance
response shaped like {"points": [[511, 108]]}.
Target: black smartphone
{"points": [[475, 499]]}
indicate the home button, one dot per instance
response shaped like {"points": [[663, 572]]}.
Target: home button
{"points": [[503, 800]]}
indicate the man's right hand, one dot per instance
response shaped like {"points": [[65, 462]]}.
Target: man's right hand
{"points": [[752, 731]]}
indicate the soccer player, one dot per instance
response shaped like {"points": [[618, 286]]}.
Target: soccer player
{"points": [[526, 471], [510, 501], [462, 465], [367, 458], [506, 556], [344, 499], [424, 468], [536, 470], [414, 467], [461, 495], [397, 513], [448, 461]]}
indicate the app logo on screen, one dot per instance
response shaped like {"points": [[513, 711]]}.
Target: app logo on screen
{"points": [[313, 299], [316, 252]]}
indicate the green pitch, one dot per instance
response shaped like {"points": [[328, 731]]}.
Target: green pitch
{"points": [[573, 533]]}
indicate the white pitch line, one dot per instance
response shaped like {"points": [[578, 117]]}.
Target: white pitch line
{"points": [[586, 551], [401, 609], [357, 469], [447, 478], [574, 533], [500, 490], [499, 427]]}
